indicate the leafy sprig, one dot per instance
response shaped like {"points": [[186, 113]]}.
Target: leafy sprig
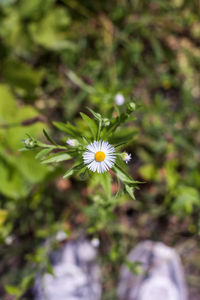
{"points": [[90, 129]]}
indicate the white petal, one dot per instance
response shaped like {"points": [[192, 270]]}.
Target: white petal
{"points": [[91, 147], [97, 146], [92, 166], [108, 163], [99, 168], [104, 146], [104, 167]]}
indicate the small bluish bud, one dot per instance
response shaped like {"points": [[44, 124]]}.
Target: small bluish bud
{"points": [[72, 142], [126, 157], [119, 99]]}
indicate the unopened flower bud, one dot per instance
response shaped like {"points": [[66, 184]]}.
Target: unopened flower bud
{"points": [[106, 122], [30, 143], [131, 107], [72, 142], [119, 99], [126, 157]]}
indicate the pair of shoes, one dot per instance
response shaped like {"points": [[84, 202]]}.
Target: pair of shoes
{"points": [[77, 275]]}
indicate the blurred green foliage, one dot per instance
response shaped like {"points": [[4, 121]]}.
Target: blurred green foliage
{"points": [[57, 57]]}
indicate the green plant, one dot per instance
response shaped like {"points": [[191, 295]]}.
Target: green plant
{"points": [[89, 147]]}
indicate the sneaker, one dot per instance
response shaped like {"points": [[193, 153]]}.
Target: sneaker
{"points": [[76, 274], [162, 276]]}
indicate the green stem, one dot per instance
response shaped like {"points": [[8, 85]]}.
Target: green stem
{"points": [[99, 130]]}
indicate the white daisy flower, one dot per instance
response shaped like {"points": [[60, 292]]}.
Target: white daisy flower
{"points": [[126, 157], [119, 99], [99, 157]]}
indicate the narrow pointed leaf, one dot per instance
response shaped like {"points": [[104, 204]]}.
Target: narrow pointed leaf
{"points": [[49, 138], [43, 153], [68, 128], [106, 183], [73, 170], [57, 158], [122, 174], [91, 124], [129, 190], [97, 116]]}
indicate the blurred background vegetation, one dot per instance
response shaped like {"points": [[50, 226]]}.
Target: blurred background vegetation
{"points": [[57, 58]]}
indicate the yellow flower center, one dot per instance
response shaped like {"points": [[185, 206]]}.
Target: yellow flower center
{"points": [[100, 156]]}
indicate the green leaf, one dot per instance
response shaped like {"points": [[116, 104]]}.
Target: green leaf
{"points": [[106, 183], [34, 9], [111, 128], [122, 174], [129, 190], [17, 177], [73, 170], [68, 128], [84, 174], [148, 171], [22, 76], [57, 158], [61, 126], [13, 290], [187, 198], [69, 173], [97, 116], [23, 149], [8, 105], [55, 38], [49, 138], [91, 124], [27, 281], [43, 153], [3, 216], [80, 83], [122, 137]]}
